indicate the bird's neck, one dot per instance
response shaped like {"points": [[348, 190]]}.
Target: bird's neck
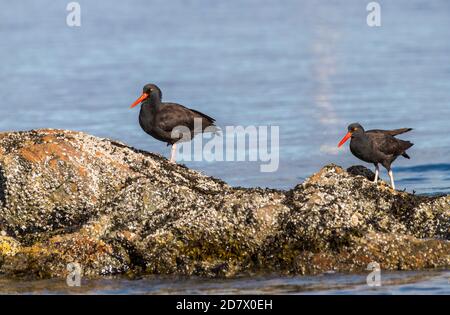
{"points": [[155, 99], [361, 137], [152, 103]]}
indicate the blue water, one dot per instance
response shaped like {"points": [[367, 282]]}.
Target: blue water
{"points": [[310, 67], [392, 283]]}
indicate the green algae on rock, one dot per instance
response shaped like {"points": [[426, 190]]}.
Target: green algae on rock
{"points": [[69, 197]]}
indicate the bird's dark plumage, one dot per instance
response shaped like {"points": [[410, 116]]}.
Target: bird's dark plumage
{"points": [[160, 119], [394, 132], [377, 146]]}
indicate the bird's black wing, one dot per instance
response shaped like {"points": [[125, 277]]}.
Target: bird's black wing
{"points": [[173, 115], [393, 132], [210, 119], [388, 144]]}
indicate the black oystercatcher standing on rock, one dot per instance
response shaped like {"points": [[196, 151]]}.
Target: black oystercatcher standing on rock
{"points": [[377, 146], [170, 122]]}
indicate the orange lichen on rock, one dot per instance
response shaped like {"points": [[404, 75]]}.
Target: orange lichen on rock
{"points": [[39, 153]]}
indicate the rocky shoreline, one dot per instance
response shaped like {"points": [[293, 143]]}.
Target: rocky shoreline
{"points": [[70, 197]]}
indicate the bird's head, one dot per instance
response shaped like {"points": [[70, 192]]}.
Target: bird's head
{"points": [[353, 129], [149, 91]]}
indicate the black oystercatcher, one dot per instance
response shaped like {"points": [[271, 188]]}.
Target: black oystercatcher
{"points": [[377, 146], [170, 122]]}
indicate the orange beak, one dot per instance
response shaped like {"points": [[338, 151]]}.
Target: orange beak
{"points": [[347, 136], [141, 98]]}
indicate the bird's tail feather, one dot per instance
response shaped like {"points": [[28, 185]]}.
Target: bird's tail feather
{"points": [[399, 131], [215, 130], [406, 146]]}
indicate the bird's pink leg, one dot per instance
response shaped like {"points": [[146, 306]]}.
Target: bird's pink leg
{"points": [[173, 155], [391, 176], [377, 172]]}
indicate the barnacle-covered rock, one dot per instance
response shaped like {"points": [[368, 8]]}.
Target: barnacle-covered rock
{"points": [[70, 197]]}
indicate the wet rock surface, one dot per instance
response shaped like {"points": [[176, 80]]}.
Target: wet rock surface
{"points": [[69, 197]]}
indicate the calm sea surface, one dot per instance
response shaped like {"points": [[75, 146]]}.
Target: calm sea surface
{"points": [[393, 283], [309, 67]]}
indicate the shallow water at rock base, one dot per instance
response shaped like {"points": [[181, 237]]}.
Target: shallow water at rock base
{"points": [[392, 283]]}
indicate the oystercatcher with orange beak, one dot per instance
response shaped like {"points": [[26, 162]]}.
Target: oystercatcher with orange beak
{"points": [[168, 122], [377, 147]]}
